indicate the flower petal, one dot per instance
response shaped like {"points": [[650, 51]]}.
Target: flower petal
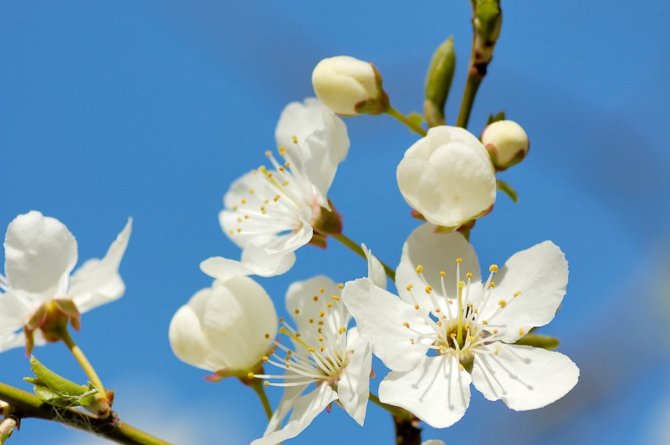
{"points": [[315, 139], [305, 300], [376, 271], [522, 376], [15, 309], [40, 252], [305, 409], [382, 318], [240, 322], [187, 340], [254, 262], [98, 282], [437, 391], [436, 253], [540, 274], [353, 388], [285, 405]]}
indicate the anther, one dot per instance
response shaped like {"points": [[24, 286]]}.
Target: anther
{"points": [[459, 260], [468, 275], [404, 323], [315, 298], [340, 285], [429, 289], [419, 269], [492, 284], [502, 304], [493, 268], [517, 293], [295, 139], [251, 375], [443, 274], [409, 287]]}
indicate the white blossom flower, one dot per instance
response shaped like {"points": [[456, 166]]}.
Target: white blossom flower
{"points": [[271, 212], [349, 86], [324, 354], [448, 177], [448, 329], [40, 253], [226, 328], [506, 142]]}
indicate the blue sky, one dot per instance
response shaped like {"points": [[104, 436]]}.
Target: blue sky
{"points": [[150, 110]]}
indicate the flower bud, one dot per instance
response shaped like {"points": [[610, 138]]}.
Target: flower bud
{"points": [[438, 82], [506, 142], [227, 328], [7, 427], [349, 86], [448, 177]]}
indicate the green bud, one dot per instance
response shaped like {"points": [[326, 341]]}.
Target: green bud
{"points": [[487, 22], [438, 82]]}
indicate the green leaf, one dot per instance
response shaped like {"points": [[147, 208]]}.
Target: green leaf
{"points": [[507, 189], [539, 341], [49, 379]]}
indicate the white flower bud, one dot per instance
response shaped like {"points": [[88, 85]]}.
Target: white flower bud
{"points": [[448, 177], [506, 142], [349, 86], [226, 328]]}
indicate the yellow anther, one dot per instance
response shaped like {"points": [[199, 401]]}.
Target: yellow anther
{"points": [[342, 330], [276, 198], [428, 289], [493, 268], [495, 331], [315, 298], [320, 324], [243, 201], [404, 323], [251, 375], [266, 383], [459, 260], [409, 287], [297, 311], [312, 350], [265, 358], [517, 293], [443, 274], [246, 216], [322, 314], [295, 139], [485, 322], [282, 169], [461, 284], [281, 319], [311, 321], [322, 348], [282, 150], [330, 305], [468, 275], [231, 231], [267, 336], [287, 164], [419, 269], [284, 183], [321, 339], [268, 153], [497, 352], [235, 208], [492, 284], [522, 332], [335, 297], [502, 304], [321, 290], [437, 310], [340, 285], [239, 220], [239, 229], [416, 306], [263, 210]]}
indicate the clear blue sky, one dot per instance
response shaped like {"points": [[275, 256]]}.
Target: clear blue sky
{"points": [[150, 109]]}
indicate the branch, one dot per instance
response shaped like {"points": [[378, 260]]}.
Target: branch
{"points": [[25, 405]]}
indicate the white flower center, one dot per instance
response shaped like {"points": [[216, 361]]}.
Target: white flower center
{"points": [[318, 353]]}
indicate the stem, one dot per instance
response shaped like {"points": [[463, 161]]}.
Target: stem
{"points": [[26, 405], [475, 78], [402, 118], [407, 432], [259, 389], [356, 248], [396, 412], [84, 363]]}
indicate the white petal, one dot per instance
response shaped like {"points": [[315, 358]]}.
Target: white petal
{"points": [[187, 339], [522, 376], [380, 316], [541, 275], [305, 409], [353, 388], [285, 406], [14, 312], [303, 306], [447, 176], [240, 322], [437, 391], [98, 282], [436, 252], [254, 262], [322, 141], [433, 442], [376, 271], [224, 268], [40, 253]]}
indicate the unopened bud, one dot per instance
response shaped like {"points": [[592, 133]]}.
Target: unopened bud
{"points": [[349, 86], [506, 142], [438, 82]]}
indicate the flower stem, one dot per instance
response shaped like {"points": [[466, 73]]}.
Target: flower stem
{"points": [[398, 413], [356, 248], [259, 389], [25, 405], [405, 120], [84, 363], [471, 87]]}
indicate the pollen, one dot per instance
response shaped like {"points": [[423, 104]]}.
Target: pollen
{"points": [[493, 268], [322, 314], [428, 289], [311, 321], [461, 284], [340, 285], [419, 269], [267, 336], [335, 297], [251, 375], [321, 290], [468, 275], [297, 311], [276, 198], [517, 293], [443, 274], [315, 298], [459, 260], [502, 304], [492, 284], [342, 330], [295, 139], [416, 307], [409, 287], [522, 332], [406, 324], [282, 150], [265, 358]]}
